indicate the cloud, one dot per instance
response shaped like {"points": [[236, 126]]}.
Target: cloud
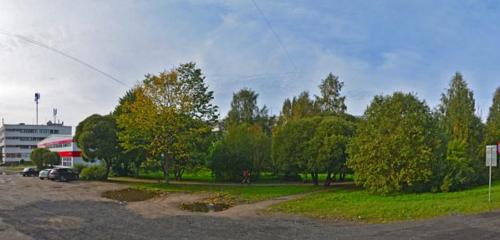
{"points": [[375, 48]]}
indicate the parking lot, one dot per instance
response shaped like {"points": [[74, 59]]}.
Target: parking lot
{"points": [[34, 209]]}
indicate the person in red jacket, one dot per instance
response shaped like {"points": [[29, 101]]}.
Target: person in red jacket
{"points": [[246, 176]]}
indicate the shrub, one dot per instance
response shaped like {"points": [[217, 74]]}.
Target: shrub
{"points": [[97, 172], [78, 167]]}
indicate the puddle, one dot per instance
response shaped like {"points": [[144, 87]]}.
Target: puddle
{"points": [[130, 195], [216, 203]]}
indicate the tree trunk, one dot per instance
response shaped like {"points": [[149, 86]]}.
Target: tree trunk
{"points": [[137, 169], [108, 169], [165, 169], [314, 176], [328, 179]]}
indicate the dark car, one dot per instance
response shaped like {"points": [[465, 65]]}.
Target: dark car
{"points": [[29, 172], [62, 174]]}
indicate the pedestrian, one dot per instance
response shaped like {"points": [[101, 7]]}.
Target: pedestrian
{"points": [[246, 177]]}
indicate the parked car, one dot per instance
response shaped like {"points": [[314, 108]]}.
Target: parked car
{"points": [[62, 174], [44, 173], [29, 172]]}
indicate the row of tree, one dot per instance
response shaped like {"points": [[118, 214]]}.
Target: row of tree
{"points": [[399, 144], [403, 145]]}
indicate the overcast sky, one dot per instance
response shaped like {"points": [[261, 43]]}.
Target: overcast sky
{"points": [[376, 47]]}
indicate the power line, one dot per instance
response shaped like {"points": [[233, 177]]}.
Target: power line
{"points": [[280, 42], [88, 65]]}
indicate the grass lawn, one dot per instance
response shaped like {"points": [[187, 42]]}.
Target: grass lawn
{"points": [[16, 169], [358, 205], [206, 176], [243, 193]]}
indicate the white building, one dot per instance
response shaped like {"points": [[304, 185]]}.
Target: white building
{"points": [[18, 140], [67, 149]]}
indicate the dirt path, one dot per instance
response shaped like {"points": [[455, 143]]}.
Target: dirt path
{"points": [[253, 210]]}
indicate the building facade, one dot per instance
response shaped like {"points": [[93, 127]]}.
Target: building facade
{"points": [[18, 140], [67, 149]]}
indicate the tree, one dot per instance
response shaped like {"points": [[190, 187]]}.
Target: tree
{"points": [[52, 159], [135, 155], [395, 147], [97, 138], [169, 110], [301, 106], [330, 101], [291, 148], [244, 108], [328, 147], [243, 147], [464, 133], [38, 156], [492, 132], [492, 129]]}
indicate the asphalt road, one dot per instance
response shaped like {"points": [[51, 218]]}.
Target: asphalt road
{"points": [[75, 211]]}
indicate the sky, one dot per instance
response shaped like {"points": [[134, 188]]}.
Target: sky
{"points": [[375, 47]]}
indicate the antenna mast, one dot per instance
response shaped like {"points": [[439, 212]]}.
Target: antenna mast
{"points": [[37, 97], [54, 113]]}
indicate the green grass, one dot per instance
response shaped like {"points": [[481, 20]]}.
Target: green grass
{"points": [[358, 205], [199, 176], [243, 193], [16, 168], [205, 175]]}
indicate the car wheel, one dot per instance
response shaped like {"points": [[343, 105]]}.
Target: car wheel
{"points": [[62, 179]]}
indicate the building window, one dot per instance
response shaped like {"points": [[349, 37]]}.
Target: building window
{"points": [[66, 162]]}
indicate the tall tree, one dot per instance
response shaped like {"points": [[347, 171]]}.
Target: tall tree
{"points": [[244, 108], [170, 109], [464, 132], [135, 155], [328, 147], [492, 133], [291, 150], [395, 147], [301, 106], [331, 101]]}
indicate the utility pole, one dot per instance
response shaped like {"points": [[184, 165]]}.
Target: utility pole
{"points": [[37, 97]]}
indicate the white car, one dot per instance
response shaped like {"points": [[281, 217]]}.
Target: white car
{"points": [[44, 174]]}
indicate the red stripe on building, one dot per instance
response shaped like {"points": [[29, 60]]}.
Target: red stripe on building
{"points": [[70, 154], [57, 142]]}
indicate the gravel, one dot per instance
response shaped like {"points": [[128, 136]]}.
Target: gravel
{"points": [[76, 211]]}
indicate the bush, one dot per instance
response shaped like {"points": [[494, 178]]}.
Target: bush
{"points": [[78, 167], [93, 173]]}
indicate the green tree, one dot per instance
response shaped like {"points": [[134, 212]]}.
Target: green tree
{"points": [[464, 133], [330, 101], [395, 147], [243, 146], [328, 147], [301, 106], [492, 129], [492, 132], [291, 151], [244, 108], [135, 155], [52, 159], [170, 109], [97, 138], [38, 157]]}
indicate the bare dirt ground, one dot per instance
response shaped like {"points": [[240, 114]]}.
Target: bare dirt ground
{"points": [[34, 209]]}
